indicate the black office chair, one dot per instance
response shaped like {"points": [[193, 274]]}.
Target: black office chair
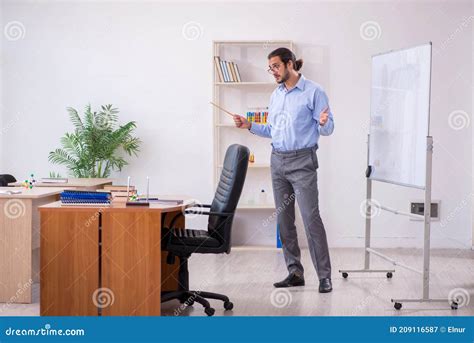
{"points": [[5, 179], [182, 243]]}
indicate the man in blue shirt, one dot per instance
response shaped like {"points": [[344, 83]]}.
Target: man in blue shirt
{"points": [[298, 114]]}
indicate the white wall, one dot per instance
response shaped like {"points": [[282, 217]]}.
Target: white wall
{"points": [[134, 55], [1, 93]]}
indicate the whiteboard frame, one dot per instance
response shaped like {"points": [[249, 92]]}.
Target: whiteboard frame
{"points": [[429, 111], [426, 224]]}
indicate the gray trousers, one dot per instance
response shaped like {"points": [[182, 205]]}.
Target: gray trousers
{"points": [[294, 177]]}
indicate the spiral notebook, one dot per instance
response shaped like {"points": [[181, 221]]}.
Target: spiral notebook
{"points": [[84, 198]]}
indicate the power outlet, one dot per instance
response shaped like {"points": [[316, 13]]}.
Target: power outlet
{"points": [[418, 207]]}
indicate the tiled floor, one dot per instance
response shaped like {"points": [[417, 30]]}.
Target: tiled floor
{"points": [[247, 275]]}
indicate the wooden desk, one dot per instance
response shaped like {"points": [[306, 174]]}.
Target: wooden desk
{"points": [[20, 240], [105, 261], [73, 183]]}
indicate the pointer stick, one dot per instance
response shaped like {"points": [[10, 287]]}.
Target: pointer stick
{"points": [[222, 109]]}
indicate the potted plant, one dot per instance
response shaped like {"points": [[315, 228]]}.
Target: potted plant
{"points": [[97, 145]]}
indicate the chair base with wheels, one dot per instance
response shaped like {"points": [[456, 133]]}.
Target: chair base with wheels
{"points": [[189, 297]]}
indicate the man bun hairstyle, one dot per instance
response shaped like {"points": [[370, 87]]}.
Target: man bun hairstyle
{"points": [[287, 55], [298, 64]]}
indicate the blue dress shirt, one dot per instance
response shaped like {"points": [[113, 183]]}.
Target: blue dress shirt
{"points": [[293, 118]]}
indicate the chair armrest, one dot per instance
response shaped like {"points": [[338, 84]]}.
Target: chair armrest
{"points": [[190, 210], [200, 206]]}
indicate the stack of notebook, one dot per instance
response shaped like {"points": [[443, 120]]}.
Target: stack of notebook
{"points": [[84, 198], [119, 193]]}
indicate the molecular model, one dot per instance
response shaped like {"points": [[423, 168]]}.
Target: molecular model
{"points": [[29, 183]]}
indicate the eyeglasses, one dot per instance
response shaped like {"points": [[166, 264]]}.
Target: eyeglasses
{"points": [[273, 68]]}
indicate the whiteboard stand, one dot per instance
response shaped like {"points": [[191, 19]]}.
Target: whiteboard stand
{"points": [[427, 236], [368, 223]]}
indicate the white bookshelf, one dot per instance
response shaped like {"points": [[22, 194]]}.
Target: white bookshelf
{"points": [[252, 94]]}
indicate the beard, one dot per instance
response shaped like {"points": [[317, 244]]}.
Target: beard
{"points": [[284, 77]]}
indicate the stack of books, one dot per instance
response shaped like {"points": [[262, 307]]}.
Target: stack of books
{"points": [[257, 117], [118, 192], [227, 71], [84, 198]]}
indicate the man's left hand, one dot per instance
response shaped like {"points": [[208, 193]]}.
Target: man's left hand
{"points": [[324, 116]]}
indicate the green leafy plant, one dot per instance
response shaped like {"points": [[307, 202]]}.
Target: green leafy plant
{"points": [[97, 145], [54, 175]]}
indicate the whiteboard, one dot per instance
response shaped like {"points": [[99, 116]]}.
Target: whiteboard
{"points": [[400, 115]]}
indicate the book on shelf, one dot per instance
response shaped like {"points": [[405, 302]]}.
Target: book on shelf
{"points": [[232, 71], [224, 74], [238, 73], [53, 180], [217, 62], [227, 71]]}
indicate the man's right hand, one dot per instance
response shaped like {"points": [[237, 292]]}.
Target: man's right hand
{"points": [[242, 122]]}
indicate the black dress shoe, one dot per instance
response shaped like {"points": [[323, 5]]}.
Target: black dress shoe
{"points": [[292, 280], [325, 285]]}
